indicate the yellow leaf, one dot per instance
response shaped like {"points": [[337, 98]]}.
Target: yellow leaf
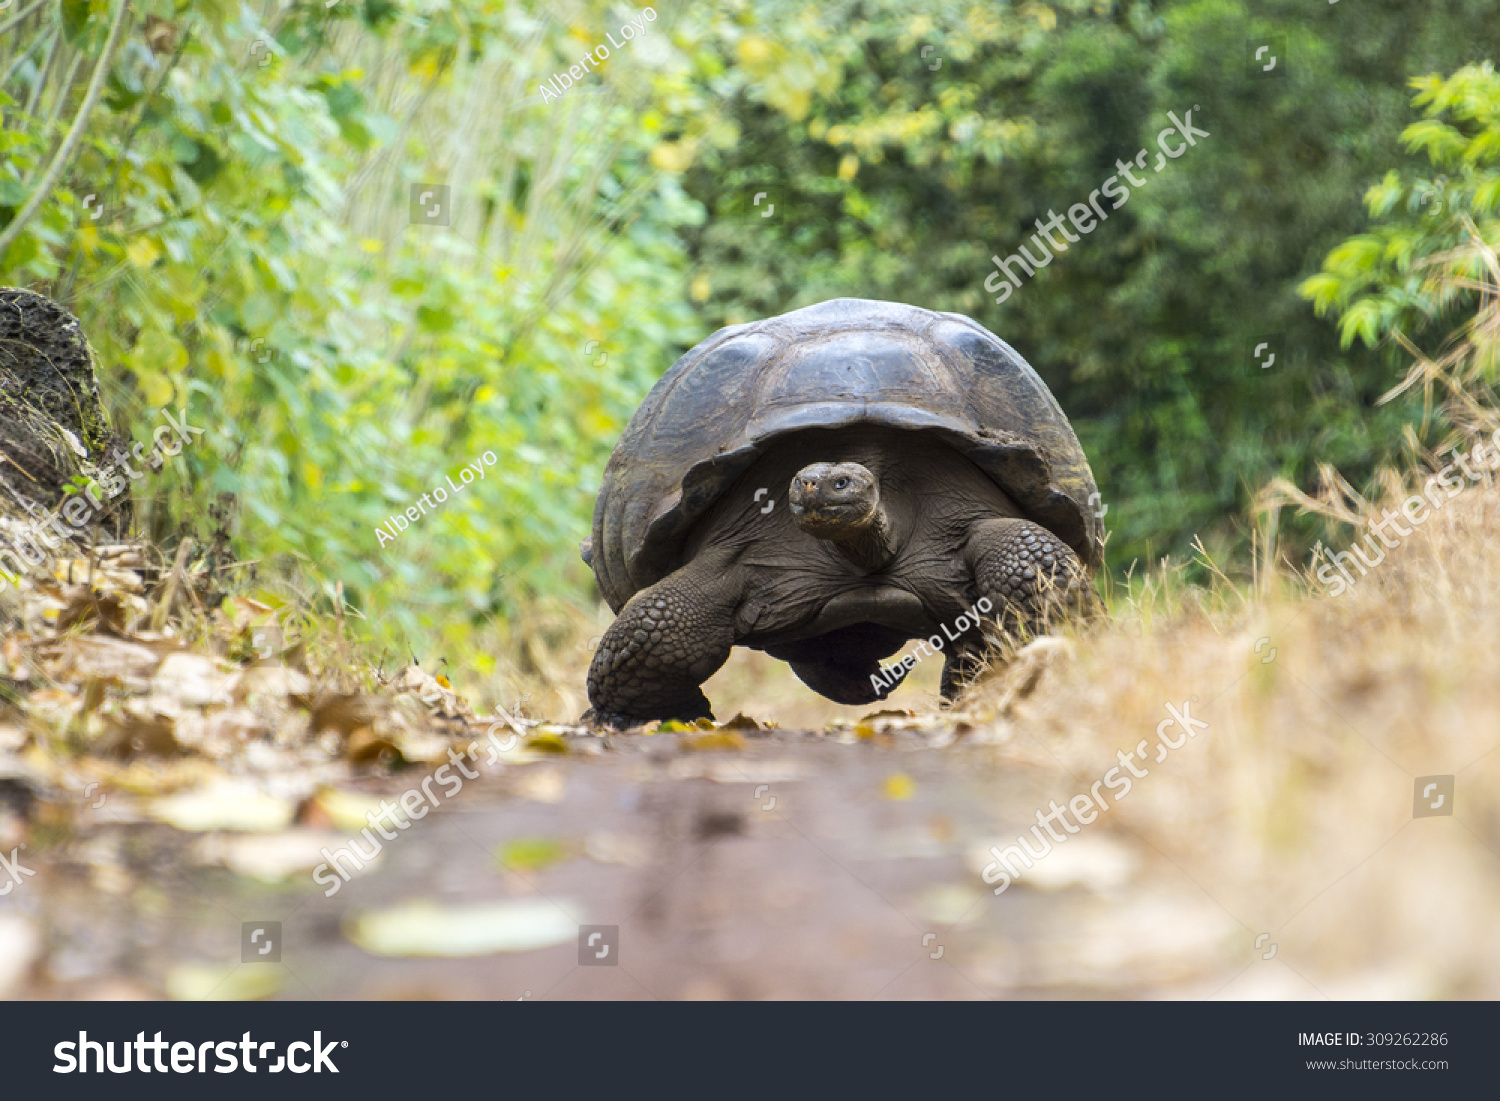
{"points": [[899, 786], [848, 166], [1045, 16], [797, 104], [157, 387], [701, 287], [672, 156], [546, 743], [754, 50], [143, 252], [700, 743], [199, 982]]}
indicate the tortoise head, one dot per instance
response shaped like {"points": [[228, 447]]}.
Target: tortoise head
{"points": [[837, 501]]}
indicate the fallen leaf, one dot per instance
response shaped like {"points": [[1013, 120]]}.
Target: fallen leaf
{"points": [[1098, 863], [708, 743], [531, 854], [219, 982], [238, 724], [56, 705], [899, 786], [269, 857], [20, 944], [366, 745], [89, 606], [135, 733], [350, 810], [278, 681], [434, 692], [243, 611], [343, 712], [951, 904], [543, 784], [101, 656], [193, 679], [226, 805], [616, 848], [425, 928]]}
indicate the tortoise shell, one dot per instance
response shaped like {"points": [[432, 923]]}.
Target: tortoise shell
{"points": [[843, 362]]}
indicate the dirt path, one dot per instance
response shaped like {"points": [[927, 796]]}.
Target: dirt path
{"points": [[793, 864]]}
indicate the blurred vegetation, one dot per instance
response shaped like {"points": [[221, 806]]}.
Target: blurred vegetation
{"points": [[1427, 272], [224, 193], [905, 178], [256, 256]]}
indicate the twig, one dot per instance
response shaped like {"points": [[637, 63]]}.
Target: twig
{"points": [[159, 616], [247, 562]]}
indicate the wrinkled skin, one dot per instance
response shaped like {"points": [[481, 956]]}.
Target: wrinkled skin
{"points": [[879, 536]]}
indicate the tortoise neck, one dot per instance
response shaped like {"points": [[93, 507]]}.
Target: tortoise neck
{"points": [[871, 546]]}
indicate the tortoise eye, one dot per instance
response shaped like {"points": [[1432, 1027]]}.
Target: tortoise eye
{"points": [[842, 483]]}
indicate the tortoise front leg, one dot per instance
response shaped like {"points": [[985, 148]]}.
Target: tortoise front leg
{"points": [[666, 642], [1028, 574], [1026, 571]]}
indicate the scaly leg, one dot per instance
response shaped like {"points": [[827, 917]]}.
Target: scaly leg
{"points": [[666, 641], [1028, 574]]}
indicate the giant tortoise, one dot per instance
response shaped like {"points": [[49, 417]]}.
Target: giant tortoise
{"points": [[825, 486]]}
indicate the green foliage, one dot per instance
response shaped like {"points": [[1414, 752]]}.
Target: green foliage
{"points": [[1414, 271], [895, 179], [258, 258]]}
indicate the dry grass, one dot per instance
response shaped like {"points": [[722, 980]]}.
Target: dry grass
{"points": [[1293, 813]]}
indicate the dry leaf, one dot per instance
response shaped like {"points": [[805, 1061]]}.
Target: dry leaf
{"points": [[193, 679], [269, 857], [342, 712], [899, 786], [427, 929], [226, 805], [701, 743]]}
